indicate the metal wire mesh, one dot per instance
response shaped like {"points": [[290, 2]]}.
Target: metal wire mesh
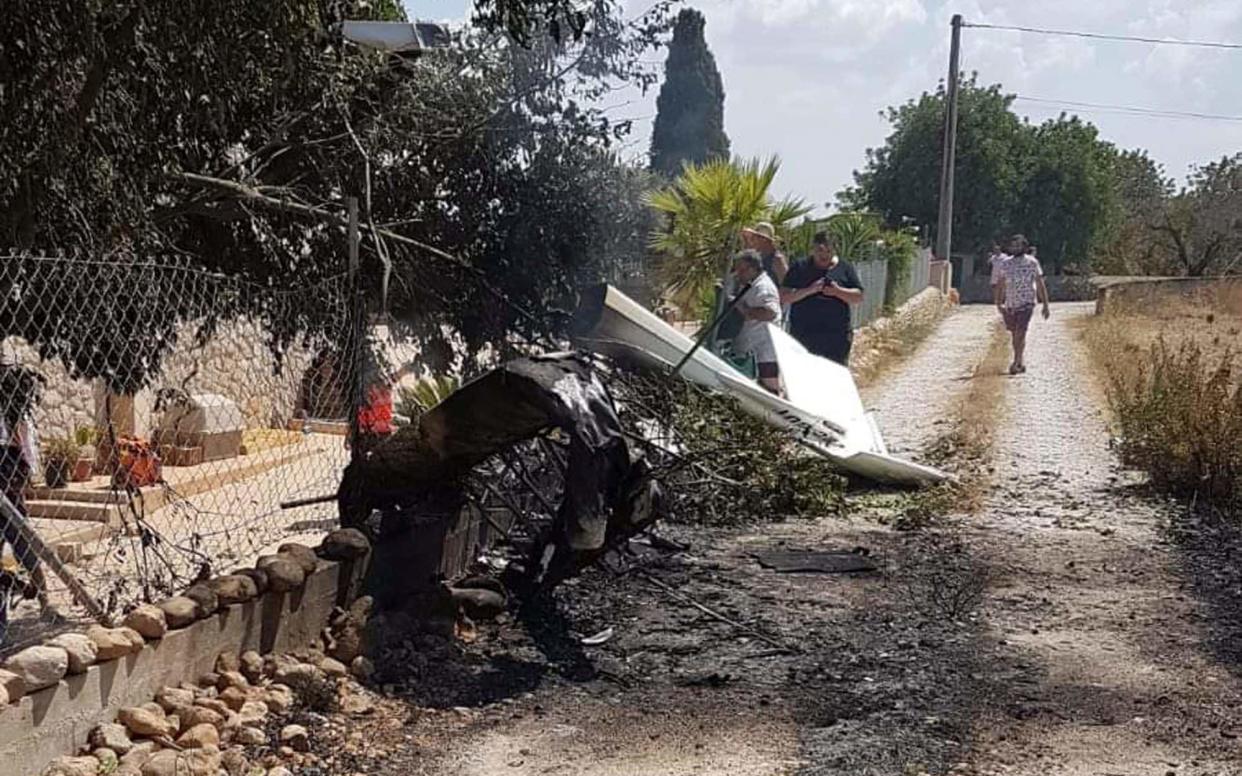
{"points": [[153, 418]]}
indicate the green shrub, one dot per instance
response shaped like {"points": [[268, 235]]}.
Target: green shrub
{"points": [[1180, 420], [898, 249], [729, 468], [425, 394]]}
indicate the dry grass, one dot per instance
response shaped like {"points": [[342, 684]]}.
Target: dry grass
{"points": [[1169, 366], [1211, 320]]}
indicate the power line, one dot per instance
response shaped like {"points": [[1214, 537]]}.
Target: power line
{"points": [[1104, 36], [1130, 110]]}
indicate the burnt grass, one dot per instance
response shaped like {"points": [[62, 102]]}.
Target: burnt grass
{"points": [[879, 676], [1209, 544]]}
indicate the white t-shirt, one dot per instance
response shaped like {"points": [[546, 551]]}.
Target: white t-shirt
{"points": [[1019, 274], [753, 337], [23, 436]]}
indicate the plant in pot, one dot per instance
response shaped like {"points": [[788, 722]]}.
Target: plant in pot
{"points": [[59, 456], [85, 437]]}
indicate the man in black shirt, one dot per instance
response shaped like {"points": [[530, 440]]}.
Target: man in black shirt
{"points": [[821, 290]]}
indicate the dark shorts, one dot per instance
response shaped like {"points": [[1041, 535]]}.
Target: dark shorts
{"points": [[769, 369], [1019, 318]]}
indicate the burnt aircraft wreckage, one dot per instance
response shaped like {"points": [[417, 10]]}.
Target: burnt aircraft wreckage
{"points": [[539, 440], [822, 408]]}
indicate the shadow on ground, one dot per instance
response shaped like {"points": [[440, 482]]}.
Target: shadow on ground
{"points": [[1210, 552]]}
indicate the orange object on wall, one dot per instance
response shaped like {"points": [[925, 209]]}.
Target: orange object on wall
{"points": [[137, 463]]}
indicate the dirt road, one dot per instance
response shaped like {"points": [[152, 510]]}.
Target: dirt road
{"points": [[1089, 600], [1063, 631]]}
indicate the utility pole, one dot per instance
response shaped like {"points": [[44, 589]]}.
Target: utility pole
{"points": [[944, 225]]}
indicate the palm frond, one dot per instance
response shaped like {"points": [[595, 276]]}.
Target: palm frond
{"points": [[704, 211]]}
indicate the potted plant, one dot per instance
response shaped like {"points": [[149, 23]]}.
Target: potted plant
{"points": [[59, 456], [85, 437]]}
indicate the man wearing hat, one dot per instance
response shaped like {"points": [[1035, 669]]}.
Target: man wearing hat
{"points": [[761, 238]]}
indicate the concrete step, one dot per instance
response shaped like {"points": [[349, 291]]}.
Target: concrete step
{"points": [[76, 492], [67, 538], [86, 511]]}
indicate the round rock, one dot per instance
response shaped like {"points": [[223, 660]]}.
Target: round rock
{"points": [[113, 643], [206, 598], [295, 737], [81, 650], [148, 620], [144, 722], [199, 736], [111, 736], [344, 544], [234, 589], [283, 573], [303, 555], [179, 611], [39, 667]]}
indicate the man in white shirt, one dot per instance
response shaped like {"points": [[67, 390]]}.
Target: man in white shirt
{"points": [[759, 306]]}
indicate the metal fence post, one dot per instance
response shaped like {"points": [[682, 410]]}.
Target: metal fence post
{"points": [[355, 337]]}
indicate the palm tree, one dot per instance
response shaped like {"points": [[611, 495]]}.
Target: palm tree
{"points": [[854, 235], [704, 211]]}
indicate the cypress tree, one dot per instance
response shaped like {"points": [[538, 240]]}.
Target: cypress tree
{"points": [[689, 123]]}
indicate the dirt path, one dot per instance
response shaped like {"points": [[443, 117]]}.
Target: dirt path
{"points": [[1107, 672], [1054, 634], [912, 401]]}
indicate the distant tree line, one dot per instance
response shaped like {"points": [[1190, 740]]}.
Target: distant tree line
{"points": [[1089, 205]]}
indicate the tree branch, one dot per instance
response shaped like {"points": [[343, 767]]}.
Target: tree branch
{"points": [[258, 198]]}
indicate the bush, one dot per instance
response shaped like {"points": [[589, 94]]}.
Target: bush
{"points": [[413, 401], [1180, 419], [898, 249], [728, 468]]}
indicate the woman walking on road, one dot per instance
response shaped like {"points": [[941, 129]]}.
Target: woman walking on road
{"points": [[1017, 284]]}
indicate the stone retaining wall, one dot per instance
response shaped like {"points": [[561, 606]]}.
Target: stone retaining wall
{"points": [[918, 315], [1143, 290], [56, 721]]}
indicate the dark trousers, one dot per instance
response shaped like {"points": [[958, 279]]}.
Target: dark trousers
{"points": [[14, 475], [832, 348]]}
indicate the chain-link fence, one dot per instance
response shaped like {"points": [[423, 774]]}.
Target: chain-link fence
{"points": [[153, 419]]}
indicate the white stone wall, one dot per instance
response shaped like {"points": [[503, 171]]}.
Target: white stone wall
{"points": [[235, 363]]}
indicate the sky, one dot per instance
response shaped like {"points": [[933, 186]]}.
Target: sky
{"points": [[808, 79]]}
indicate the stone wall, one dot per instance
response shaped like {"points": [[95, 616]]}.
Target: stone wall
{"points": [[66, 403], [236, 362], [57, 720], [1142, 290]]}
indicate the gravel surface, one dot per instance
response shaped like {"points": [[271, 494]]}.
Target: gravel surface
{"points": [[1088, 598], [911, 402], [1065, 630]]}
